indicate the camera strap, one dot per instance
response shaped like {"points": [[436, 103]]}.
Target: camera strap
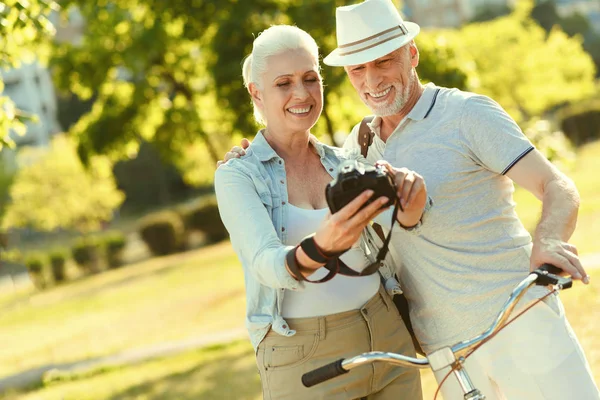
{"points": [[338, 265]]}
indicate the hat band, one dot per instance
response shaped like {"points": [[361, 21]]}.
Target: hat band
{"points": [[372, 41]]}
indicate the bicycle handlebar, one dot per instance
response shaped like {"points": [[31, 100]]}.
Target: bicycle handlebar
{"points": [[545, 275], [324, 373]]}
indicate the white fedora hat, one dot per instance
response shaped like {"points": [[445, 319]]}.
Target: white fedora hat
{"points": [[367, 31]]}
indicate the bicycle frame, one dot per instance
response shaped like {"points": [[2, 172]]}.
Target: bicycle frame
{"points": [[455, 355]]}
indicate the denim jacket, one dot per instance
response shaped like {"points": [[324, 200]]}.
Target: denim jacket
{"points": [[253, 204]]}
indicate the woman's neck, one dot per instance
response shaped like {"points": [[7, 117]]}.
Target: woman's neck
{"points": [[289, 145]]}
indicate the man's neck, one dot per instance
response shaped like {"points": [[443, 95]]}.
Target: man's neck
{"points": [[390, 123]]}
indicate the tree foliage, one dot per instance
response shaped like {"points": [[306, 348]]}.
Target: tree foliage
{"points": [[438, 61], [53, 190], [526, 70], [24, 32], [151, 66]]}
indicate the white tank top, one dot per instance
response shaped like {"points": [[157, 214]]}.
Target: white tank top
{"points": [[341, 293]]}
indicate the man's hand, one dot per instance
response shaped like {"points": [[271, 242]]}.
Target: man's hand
{"points": [[412, 193], [560, 254], [235, 152]]}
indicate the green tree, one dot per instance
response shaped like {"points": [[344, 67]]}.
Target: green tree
{"points": [[526, 70], [151, 66], [53, 190], [25, 31], [545, 14], [438, 61], [6, 178]]}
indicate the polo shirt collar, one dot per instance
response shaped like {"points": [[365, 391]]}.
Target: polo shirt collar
{"points": [[425, 103]]}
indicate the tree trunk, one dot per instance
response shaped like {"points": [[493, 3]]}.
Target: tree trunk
{"points": [[211, 148]]}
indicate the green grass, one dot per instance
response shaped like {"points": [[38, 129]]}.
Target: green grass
{"points": [[159, 300], [222, 372], [586, 175]]}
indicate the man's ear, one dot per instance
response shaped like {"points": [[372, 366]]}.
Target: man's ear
{"points": [[414, 54]]}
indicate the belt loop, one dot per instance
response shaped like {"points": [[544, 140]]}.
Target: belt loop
{"points": [[385, 298], [322, 328]]}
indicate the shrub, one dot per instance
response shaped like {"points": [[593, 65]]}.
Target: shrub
{"points": [[163, 232], [206, 219], [86, 254], [114, 244], [35, 265], [58, 259], [581, 122]]}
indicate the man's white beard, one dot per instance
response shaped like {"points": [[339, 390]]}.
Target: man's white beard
{"points": [[402, 95]]}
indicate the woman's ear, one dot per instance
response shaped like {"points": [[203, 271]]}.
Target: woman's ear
{"points": [[255, 93]]}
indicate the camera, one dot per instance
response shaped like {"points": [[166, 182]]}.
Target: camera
{"points": [[353, 178]]}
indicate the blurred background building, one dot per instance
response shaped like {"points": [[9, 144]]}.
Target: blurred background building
{"points": [[31, 88], [454, 13], [448, 13], [588, 8]]}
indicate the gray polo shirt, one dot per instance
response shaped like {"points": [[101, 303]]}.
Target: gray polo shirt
{"points": [[472, 249]]}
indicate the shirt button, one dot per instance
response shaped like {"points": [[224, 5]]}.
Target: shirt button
{"points": [[280, 162], [330, 169], [284, 326], [283, 229], [283, 203], [282, 182]]}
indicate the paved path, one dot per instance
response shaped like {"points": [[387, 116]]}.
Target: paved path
{"points": [[31, 377]]}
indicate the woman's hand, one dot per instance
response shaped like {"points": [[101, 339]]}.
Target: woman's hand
{"points": [[341, 230], [412, 193]]}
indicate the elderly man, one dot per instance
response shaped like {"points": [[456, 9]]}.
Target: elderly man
{"points": [[472, 249]]}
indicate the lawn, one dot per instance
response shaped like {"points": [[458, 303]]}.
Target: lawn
{"points": [[222, 372], [162, 299]]}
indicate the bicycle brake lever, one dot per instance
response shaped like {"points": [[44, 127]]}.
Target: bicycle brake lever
{"points": [[547, 274]]}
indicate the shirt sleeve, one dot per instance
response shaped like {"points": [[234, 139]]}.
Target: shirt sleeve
{"points": [[251, 230], [491, 137]]}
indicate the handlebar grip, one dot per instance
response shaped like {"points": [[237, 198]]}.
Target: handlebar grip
{"points": [[548, 274], [551, 269], [323, 373]]}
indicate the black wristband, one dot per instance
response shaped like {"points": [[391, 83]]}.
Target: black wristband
{"points": [[312, 250], [315, 253], [296, 269]]}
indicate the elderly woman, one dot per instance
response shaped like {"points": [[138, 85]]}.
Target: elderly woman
{"points": [[269, 207]]}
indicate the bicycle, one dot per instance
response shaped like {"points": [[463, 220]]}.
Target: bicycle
{"points": [[453, 356]]}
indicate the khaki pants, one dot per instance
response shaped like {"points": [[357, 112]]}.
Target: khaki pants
{"points": [[377, 326]]}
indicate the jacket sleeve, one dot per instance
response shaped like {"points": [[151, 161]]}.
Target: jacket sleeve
{"points": [[252, 233]]}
